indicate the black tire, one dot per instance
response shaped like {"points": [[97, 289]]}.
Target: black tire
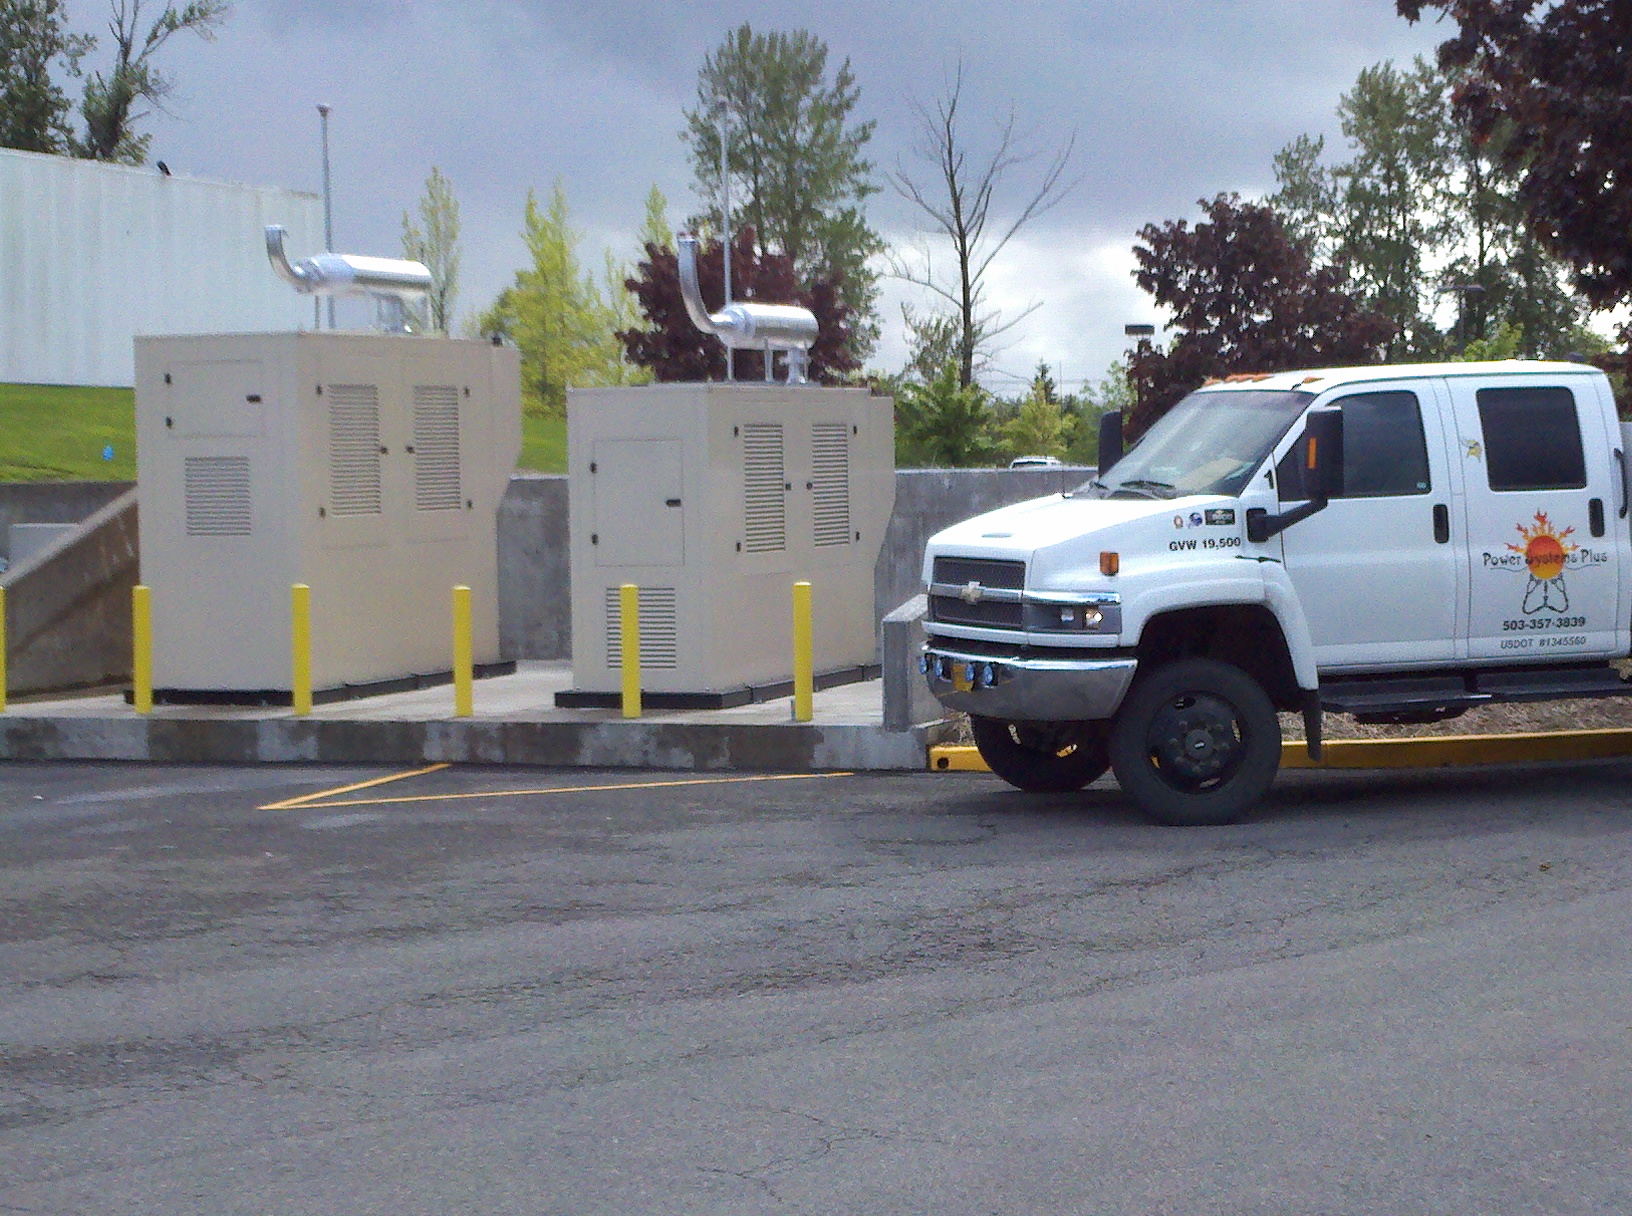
{"points": [[1042, 757], [1195, 743]]}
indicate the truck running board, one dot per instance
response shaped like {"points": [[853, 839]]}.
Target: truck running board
{"points": [[1426, 698]]}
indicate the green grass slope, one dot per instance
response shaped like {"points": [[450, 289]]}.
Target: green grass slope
{"points": [[56, 433]]}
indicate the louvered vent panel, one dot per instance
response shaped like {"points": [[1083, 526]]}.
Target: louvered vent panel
{"points": [[216, 492], [354, 449], [436, 448], [830, 481], [659, 628], [764, 508]]}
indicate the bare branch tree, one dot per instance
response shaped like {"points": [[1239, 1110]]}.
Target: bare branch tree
{"points": [[112, 106], [958, 197]]}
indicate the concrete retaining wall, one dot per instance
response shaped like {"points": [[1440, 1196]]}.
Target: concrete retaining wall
{"points": [[52, 502], [68, 607], [535, 571]]}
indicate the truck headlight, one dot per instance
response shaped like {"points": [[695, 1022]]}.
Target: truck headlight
{"points": [[1072, 618]]}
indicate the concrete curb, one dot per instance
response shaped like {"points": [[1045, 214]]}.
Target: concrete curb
{"points": [[1443, 751], [644, 744]]}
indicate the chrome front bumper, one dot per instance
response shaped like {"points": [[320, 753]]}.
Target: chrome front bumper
{"points": [[1026, 690]]}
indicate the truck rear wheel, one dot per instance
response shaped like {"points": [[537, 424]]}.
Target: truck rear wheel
{"points": [[1196, 742], [1042, 757]]}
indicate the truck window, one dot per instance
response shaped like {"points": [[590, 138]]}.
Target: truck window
{"points": [[1212, 442], [1532, 439], [1384, 451]]}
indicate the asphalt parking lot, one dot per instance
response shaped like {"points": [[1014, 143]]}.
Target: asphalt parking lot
{"points": [[287, 990]]}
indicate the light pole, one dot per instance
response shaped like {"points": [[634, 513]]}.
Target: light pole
{"points": [[328, 197], [1143, 335], [725, 223]]}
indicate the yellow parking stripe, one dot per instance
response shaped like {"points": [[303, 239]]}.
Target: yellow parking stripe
{"points": [[554, 789], [1426, 752], [290, 804]]}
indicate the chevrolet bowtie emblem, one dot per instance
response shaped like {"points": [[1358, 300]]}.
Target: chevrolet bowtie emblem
{"points": [[970, 593]]}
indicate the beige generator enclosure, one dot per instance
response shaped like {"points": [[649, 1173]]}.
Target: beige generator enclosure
{"points": [[368, 466], [714, 499]]}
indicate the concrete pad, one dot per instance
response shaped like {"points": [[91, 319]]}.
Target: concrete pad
{"points": [[516, 721]]}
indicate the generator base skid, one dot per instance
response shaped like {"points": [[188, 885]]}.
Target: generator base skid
{"points": [[572, 698], [368, 467], [320, 696], [713, 500]]}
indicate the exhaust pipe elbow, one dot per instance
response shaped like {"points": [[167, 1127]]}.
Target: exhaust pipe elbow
{"points": [[290, 274], [690, 290]]}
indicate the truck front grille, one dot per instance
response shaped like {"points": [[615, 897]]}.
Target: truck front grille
{"points": [[988, 572], [990, 614]]}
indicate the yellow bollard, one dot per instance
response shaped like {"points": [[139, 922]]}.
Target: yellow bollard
{"points": [[804, 680], [141, 645], [464, 697], [629, 622], [2, 649], [300, 617]]}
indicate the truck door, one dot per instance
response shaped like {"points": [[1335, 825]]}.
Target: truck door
{"points": [[1377, 572], [1544, 550]]}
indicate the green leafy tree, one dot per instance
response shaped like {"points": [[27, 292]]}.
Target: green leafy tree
{"points": [[561, 318], [1554, 74], [1041, 426], [133, 88], [944, 423], [799, 174], [1114, 391], [1386, 223], [656, 230], [1422, 190], [932, 341], [437, 245], [33, 43]]}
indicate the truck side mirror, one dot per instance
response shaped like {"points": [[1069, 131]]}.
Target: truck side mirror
{"points": [[1110, 440], [1322, 476]]}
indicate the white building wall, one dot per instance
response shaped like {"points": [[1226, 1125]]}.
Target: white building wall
{"points": [[92, 255]]}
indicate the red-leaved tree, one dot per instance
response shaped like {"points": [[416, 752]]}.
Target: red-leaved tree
{"points": [[675, 349], [1246, 296]]}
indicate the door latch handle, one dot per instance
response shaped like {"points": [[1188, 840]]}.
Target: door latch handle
{"points": [[1442, 523], [671, 502], [1620, 463], [1595, 516]]}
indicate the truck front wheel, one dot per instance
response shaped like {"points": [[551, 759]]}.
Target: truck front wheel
{"points": [[1196, 742], [1042, 757]]}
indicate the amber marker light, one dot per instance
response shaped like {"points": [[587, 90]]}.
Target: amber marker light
{"points": [[1109, 563]]}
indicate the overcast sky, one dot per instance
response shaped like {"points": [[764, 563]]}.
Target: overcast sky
{"points": [[1170, 101]]}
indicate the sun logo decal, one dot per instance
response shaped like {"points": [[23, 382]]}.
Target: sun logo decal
{"points": [[1545, 553]]}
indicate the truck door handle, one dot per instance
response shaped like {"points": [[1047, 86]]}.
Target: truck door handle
{"points": [[671, 502], [1620, 463], [1595, 516], [1442, 523]]}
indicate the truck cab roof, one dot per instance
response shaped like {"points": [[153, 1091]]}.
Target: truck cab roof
{"points": [[1318, 380]]}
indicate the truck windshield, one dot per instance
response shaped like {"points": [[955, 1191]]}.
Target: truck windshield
{"points": [[1209, 443]]}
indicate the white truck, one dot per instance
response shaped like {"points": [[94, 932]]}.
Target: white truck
{"points": [[1397, 543]]}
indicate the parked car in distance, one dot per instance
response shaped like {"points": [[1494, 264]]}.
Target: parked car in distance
{"points": [[1036, 462]]}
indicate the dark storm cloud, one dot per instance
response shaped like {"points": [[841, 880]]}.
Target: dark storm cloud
{"points": [[1170, 101]]}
